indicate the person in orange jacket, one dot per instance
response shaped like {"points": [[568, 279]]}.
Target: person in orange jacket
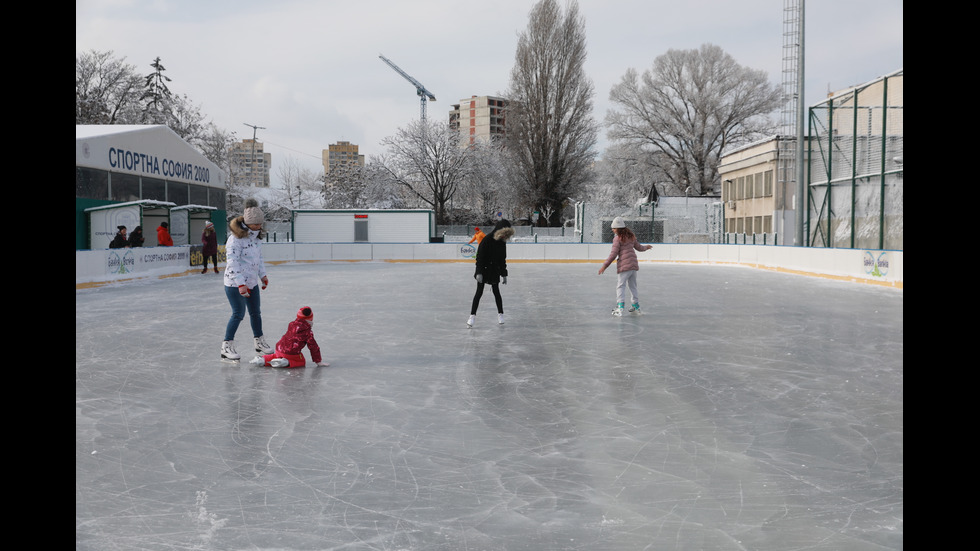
{"points": [[477, 236], [163, 235]]}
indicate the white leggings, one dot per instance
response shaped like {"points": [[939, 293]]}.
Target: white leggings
{"points": [[627, 279]]}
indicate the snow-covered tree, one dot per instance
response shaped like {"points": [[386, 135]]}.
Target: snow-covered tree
{"points": [[425, 160], [687, 109], [107, 89], [157, 99], [624, 175]]}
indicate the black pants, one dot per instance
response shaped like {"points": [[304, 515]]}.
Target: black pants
{"points": [[479, 294], [213, 258]]}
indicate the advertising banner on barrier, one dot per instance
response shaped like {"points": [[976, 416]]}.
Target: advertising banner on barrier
{"points": [[122, 263]]}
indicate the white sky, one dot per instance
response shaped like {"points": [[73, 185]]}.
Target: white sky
{"points": [[308, 70]]}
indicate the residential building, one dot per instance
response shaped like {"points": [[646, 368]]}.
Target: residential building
{"points": [[479, 118], [250, 164], [341, 154]]}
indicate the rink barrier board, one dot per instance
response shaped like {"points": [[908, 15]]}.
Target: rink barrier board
{"points": [[99, 267]]}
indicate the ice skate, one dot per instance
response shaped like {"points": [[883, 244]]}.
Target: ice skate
{"points": [[279, 362], [228, 353], [470, 322], [500, 319], [262, 347], [618, 310], [635, 309], [258, 360]]}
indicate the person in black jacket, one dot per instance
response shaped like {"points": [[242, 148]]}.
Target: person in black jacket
{"points": [[491, 267], [119, 241], [136, 238]]}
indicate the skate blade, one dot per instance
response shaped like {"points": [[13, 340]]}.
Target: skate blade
{"points": [[231, 361]]}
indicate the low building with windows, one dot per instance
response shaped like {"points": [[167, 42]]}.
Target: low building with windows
{"points": [[759, 200], [143, 165]]}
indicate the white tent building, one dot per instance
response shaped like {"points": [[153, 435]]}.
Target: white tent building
{"points": [[143, 164]]}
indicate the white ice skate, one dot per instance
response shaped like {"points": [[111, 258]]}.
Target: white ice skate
{"points": [[262, 347], [228, 353], [635, 310], [500, 319], [279, 362], [258, 360], [470, 322]]}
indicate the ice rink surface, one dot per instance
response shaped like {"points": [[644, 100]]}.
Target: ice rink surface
{"points": [[746, 410]]}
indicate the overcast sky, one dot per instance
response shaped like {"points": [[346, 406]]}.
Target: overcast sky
{"points": [[308, 71]]}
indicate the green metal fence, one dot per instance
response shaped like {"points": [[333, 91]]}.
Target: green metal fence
{"points": [[855, 186]]}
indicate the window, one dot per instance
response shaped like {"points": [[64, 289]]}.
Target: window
{"points": [[154, 189], [125, 187], [178, 193], [199, 195], [91, 183]]}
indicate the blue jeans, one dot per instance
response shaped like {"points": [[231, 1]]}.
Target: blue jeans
{"points": [[238, 306]]}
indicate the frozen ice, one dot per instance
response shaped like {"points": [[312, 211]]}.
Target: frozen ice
{"points": [[746, 409]]}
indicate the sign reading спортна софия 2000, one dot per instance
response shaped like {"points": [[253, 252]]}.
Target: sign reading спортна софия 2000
{"points": [[122, 159]]}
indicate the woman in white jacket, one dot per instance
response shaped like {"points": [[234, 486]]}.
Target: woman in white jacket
{"points": [[244, 272]]}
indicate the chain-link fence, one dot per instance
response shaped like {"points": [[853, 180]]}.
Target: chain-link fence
{"points": [[855, 188], [672, 220]]}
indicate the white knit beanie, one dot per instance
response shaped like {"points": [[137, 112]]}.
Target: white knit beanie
{"points": [[253, 214]]}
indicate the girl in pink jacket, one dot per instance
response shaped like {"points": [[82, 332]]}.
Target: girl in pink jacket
{"points": [[624, 249]]}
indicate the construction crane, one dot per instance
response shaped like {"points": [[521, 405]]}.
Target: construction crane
{"points": [[424, 94]]}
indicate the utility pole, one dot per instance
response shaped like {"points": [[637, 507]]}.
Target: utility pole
{"points": [[255, 130]]}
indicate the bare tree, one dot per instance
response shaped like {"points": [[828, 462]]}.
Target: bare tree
{"points": [[356, 186], [489, 185], [425, 160], [299, 188], [345, 187], [550, 127], [110, 91], [215, 144], [107, 89], [625, 177], [687, 109]]}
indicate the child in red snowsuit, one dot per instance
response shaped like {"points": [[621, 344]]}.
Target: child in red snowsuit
{"points": [[289, 349]]}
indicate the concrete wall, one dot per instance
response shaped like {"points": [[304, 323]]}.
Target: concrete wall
{"points": [[97, 267]]}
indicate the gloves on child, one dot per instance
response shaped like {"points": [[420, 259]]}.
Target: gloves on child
{"points": [[265, 282], [243, 290]]}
